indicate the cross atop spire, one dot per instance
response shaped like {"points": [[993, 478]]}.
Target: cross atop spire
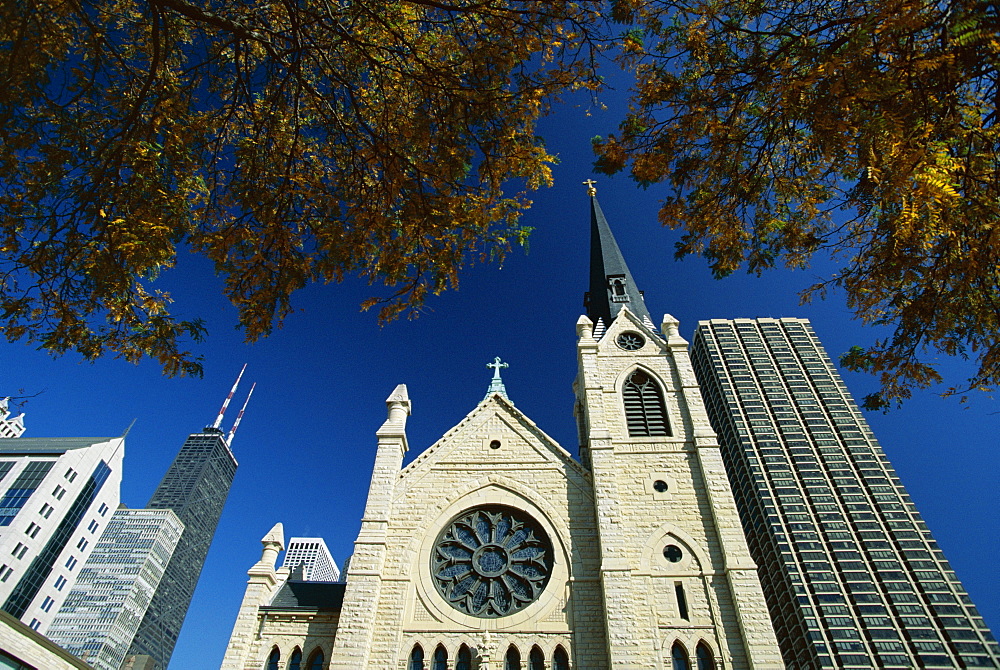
{"points": [[496, 384], [591, 191], [611, 283]]}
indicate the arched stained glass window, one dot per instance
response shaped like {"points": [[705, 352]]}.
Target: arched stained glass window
{"points": [[536, 659], [274, 659], [417, 658], [464, 660], [560, 659], [704, 655], [645, 412], [295, 660], [679, 656], [513, 659], [316, 660], [440, 659]]}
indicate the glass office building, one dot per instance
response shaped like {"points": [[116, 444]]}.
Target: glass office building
{"points": [[56, 496], [312, 555], [852, 576], [195, 488], [100, 617]]}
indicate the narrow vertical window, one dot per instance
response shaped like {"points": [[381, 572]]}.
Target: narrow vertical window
{"points": [[560, 659], [645, 412], [316, 660], [464, 660], [704, 655], [679, 656], [274, 659], [295, 660], [417, 658], [440, 659], [513, 659], [682, 603], [536, 659]]}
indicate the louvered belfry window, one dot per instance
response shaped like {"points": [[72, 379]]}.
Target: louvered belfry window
{"points": [[644, 409]]}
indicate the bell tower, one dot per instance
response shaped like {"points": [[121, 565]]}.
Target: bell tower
{"points": [[680, 589]]}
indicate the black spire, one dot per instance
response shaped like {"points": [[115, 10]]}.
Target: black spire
{"points": [[611, 284]]}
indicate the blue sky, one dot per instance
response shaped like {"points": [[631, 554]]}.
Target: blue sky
{"points": [[306, 444]]}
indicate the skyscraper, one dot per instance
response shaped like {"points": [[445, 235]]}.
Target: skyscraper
{"points": [[195, 488], [56, 496], [113, 591], [851, 573], [312, 554]]}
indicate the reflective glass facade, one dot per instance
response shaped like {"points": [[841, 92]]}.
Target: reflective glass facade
{"points": [[41, 566], [22, 488], [195, 488], [851, 573]]}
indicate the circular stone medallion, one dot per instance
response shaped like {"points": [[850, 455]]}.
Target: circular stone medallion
{"points": [[630, 341], [491, 561]]}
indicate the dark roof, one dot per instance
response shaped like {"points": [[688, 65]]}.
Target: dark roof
{"points": [[607, 262], [314, 595], [47, 445]]}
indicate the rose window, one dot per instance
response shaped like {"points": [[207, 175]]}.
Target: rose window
{"points": [[491, 561]]}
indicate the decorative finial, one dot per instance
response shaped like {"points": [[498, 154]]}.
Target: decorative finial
{"points": [[496, 385], [591, 191]]}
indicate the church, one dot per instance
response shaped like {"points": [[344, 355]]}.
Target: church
{"points": [[496, 548]]}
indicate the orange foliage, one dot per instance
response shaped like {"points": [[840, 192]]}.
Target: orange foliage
{"points": [[865, 130], [288, 142]]}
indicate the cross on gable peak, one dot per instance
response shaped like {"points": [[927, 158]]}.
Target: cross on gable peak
{"points": [[496, 365]]}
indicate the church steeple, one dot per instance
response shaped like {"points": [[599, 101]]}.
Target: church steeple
{"points": [[611, 283]]}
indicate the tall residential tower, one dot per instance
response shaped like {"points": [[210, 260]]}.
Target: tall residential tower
{"points": [[852, 576]]}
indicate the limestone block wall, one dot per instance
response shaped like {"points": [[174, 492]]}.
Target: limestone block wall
{"points": [[289, 630], [263, 583], [495, 456], [365, 576], [20, 642], [694, 513], [243, 640]]}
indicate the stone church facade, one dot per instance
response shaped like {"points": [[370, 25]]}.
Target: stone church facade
{"points": [[495, 548]]}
